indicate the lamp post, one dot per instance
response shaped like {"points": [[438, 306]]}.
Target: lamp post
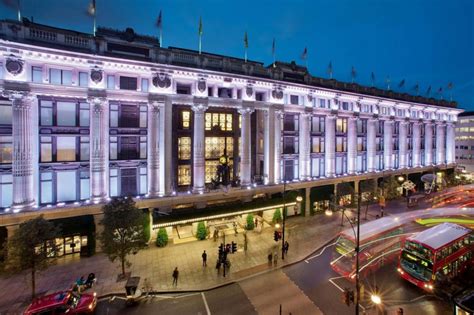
{"points": [[356, 231]]}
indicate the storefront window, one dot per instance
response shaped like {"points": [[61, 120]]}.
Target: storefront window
{"points": [[5, 114], [66, 148], [66, 186], [6, 190], [184, 148], [6, 149], [184, 175]]}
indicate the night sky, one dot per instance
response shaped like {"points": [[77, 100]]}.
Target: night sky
{"points": [[425, 41]]}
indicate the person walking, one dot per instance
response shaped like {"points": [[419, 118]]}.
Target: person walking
{"points": [[275, 259], [285, 247], [204, 259], [175, 276], [256, 222]]}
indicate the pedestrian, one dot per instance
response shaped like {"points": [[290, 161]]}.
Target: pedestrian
{"points": [[175, 276], [381, 212], [216, 234], [256, 222], [285, 247], [147, 287], [275, 259], [218, 266], [400, 311], [204, 259], [270, 258]]}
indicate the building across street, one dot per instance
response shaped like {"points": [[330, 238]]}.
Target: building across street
{"points": [[87, 118]]}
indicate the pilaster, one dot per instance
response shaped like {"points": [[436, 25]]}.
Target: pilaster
{"points": [[278, 123], [199, 110], [416, 144], [304, 146], [440, 144], [388, 144], [330, 145], [351, 145], [428, 144], [245, 154], [450, 141], [269, 143], [153, 158], [402, 144], [371, 144]]}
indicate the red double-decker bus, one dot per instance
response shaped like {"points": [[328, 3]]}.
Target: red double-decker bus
{"points": [[436, 255], [379, 239]]}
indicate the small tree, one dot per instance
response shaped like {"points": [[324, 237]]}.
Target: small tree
{"points": [[32, 247], [162, 238], [389, 186], [123, 230], [250, 222], [277, 216], [368, 187], [201, 232]]}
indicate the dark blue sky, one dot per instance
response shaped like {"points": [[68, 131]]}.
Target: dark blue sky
{"points": [[425, 41]]}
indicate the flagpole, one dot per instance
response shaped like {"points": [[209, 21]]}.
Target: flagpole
{"points": [[161, 37], [95, 27], [199, 44], [19, 11], [245, 54]]}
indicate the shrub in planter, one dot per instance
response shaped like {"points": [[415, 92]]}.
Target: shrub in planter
{"points": [[250, 222], [201, 233], [162, 238], [277, 216]]}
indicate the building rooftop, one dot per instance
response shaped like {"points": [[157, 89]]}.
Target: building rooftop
{"points": [[469, 113], [129, 45]]}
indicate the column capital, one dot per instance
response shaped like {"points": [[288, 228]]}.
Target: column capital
{"points": [[306, 114], [155, 106], [97, 100], [354, 118], [246, 110], [13, 95], [199, 108]]}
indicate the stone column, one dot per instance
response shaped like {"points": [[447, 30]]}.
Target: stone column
{"points": [[330, 145], [166, 185], [416, 144], [278, 122], [388, 144], [450, 140], [304, 147], [352, 145], [99, 228], [245, 154], [307, 202], [428, 144], [153, 158], [99, 130], [24, 195], [371, 144], [198, 148], [269, 147], [402, 144], [440, 144]]}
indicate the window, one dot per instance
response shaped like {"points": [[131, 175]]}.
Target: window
{"points": [[83, 79], [144, 86], [46, 113], [84, 114], [143, 180], [46, 144], [317, 124], [184, 175], [113, 182], [6, 149], [36, 74], [294, 99], [341, 144], [260, 96], [84, 148], [114, 115], [128, 83], [184, 148], [184, 89], [217, 121], [46, 187], [341, 125], [290, 145], [5, 114], [66, 114], [142, 147], [143, 116], [66, 192], [111, 82], [346, 106], [6, 190], [113, 147], [60, 77], [84, 185], [317, 144], [185, 116], [361, 144], [65, 149]]}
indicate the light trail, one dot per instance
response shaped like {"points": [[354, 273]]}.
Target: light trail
{"points": [[320, 253]]}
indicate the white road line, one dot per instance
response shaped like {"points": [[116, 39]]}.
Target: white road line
{"points": [[331, 280], [320, 253], [205, 304]]}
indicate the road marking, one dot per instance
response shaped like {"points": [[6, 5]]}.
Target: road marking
{"points": [[205, 304], [331, 280], [320, 253]]}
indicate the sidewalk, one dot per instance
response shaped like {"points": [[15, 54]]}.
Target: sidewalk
{"points": [[304, 234]]}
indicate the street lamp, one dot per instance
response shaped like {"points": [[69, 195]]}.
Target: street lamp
{"points": [[376, 299], [357, 248]]}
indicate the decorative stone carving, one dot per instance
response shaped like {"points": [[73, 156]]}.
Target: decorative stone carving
{"points": [[162, 80], [14, 66], [249, 90], [310, 97], [201, 85], [97, 75], [277, 94]]}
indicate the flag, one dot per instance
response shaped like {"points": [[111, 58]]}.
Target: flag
{"points": [[428, 92], [440, 90], [387, 80], [246, 40], [450, 85], [91, 10], [417, 88], [159, 21], [304, 55], [329, 71], [273, 52], [372, 78], [200, 26], [401, 84], [353, 73]]}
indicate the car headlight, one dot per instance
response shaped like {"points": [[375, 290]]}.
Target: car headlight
{"points": [[91, 306], [95, 294]]}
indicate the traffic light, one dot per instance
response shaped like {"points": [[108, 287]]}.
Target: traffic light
{"points": [[276, 236], [221, 249], [351, 296], [234, 247], [346, 297], [227, 248]]}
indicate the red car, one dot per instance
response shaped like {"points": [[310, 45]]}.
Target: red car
{"points": [[63, 302]]}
